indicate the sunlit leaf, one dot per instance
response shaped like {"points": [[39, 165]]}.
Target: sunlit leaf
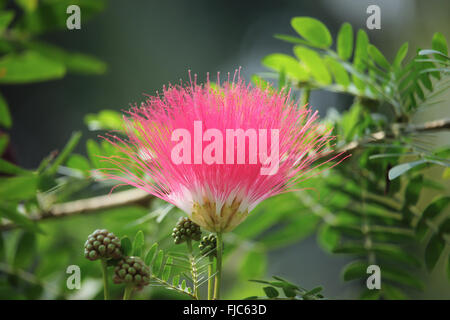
{"points": [[29, 67], [345, 41], [291, 66], [314, 31], [378, 57], [314, 63]]}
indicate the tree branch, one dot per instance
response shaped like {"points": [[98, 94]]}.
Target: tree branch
{"points": [[436, 125], [94, 204]]}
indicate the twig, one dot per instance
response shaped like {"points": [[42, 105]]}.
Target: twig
{"points": [[435, 125], [95, 204]]}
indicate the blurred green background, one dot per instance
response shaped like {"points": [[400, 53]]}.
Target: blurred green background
{"points": [[147, 44]]}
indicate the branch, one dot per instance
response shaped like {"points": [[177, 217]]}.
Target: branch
{"points": [[95, 204], [435, 125]]}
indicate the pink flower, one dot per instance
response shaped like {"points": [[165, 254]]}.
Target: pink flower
{"points": [[183, 146]]}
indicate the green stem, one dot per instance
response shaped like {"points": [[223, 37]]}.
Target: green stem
{"points": [[210, 278], [305, 96], [127, 293], [219, 247], [105, 279], [193, 267]]}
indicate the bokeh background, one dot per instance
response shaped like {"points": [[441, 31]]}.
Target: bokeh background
{"points": [[147, 44]]}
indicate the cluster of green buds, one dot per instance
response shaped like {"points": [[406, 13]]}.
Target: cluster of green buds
{"points": [[185, 229], [132, 271], [102, 244], [208, 245]]}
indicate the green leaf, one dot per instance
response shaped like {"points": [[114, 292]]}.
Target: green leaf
{"points": [[345, 41], [439, 43], [351, 120], [328, 238], [157, 265], [431, 211], [271, 292], [126, 245], [350, 248], [378, 57], [361, 48], [314, 31], [400, 169], [360, 57], [283, 62], [78, 162], [5, 19], [93, 151], [9, 211], [433, 251], [401, 277], [77, 63], [68, 148], [151, 254], [340, 74], [413, 189], [27, 5], [104, 120], [391, 234], [313, 292], [167, 269], [314, 63], [289, 292], [9, 168], [5, 116], [25, 250], [392, 252], [401, 54], [138, 243], [354, 270], [29, 67], [392, 293], [254, 265], [176, 280], [183, 285], [290, 39], [19, 188]]}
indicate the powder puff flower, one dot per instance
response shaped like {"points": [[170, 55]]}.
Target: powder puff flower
{"points": [[217, 150]]}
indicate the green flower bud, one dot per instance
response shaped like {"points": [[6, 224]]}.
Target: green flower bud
{"points": [[207, 245], [102, 244], [132, 270], [185, 229]]}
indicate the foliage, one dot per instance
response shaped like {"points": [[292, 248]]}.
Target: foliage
{"points": [[290, 291], [376, 221], [371, 208]]}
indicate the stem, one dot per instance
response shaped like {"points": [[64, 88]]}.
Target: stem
{"points": [[305, 96], [127, 293], [105, 279], [193, 267], [210, 278], [219, 247]]}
